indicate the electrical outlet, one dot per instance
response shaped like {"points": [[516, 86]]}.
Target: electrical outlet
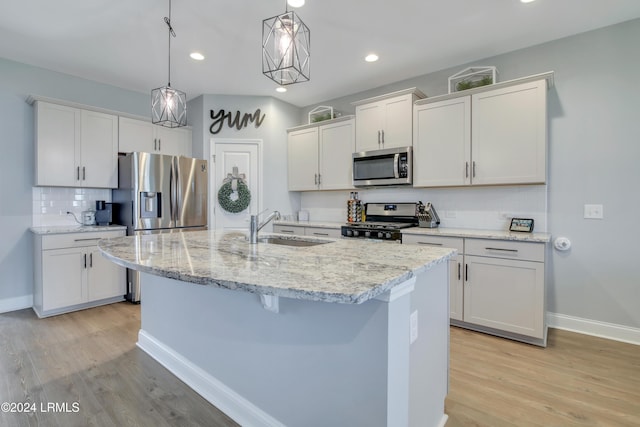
{"points": [[413, 320], [450, 214], [593, 211]]}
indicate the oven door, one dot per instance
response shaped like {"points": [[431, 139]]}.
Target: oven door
{"points": [[391, 166]]}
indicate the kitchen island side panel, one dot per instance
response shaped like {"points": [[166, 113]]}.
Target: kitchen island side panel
{"points": [[311, 364]]}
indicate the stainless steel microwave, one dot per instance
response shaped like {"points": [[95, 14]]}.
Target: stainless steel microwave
{"points": [[391, 166]]}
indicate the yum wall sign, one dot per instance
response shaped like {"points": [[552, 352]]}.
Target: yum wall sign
{"points": [[236, 120]]}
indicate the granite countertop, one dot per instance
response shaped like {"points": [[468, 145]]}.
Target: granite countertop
{"points": [[65, 229], [342, 271], [480, 234]]}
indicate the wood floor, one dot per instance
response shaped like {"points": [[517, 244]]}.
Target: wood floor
{"points": [[90, 357]]}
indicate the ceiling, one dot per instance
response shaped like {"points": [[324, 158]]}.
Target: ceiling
{"points": [[124, 42]]}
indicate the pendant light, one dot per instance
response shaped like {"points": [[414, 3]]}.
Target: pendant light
{"points": [[285, 48], [168, 105]]}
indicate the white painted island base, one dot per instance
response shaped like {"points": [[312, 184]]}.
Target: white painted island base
{"points": [[312, 363]]}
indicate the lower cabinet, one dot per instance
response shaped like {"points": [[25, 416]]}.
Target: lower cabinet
{"points": [[307, 231], [496, 286], [70, 273]]}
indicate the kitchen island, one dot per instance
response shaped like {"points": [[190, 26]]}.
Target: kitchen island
{"points": [[343, 332]]}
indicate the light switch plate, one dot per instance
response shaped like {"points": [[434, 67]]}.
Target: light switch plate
{"points": [[593, 211]]}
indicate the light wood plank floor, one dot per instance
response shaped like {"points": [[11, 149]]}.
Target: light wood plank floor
{"points": [[577, 380], [90, 357]]}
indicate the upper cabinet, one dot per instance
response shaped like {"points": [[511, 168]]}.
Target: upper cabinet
{"points": [[140, 135], [75, 147], [319, 155], [493, 135], [386, 121]]}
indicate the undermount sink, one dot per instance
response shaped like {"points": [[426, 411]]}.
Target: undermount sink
{"points": [[273, 240]]}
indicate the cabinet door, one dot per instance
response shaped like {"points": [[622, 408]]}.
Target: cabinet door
{"points": [[505, 294], [174, 142], [398, 122], [289, 229], [369, 122], [99, 150], [104, 278], [57, 145], [442, 143], [136, 135], [509, 131], [336, 146], [303, 159], [63, 275]]}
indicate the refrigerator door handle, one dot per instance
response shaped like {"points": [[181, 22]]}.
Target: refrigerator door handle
{"points": [[172, 191], [178, 189]]}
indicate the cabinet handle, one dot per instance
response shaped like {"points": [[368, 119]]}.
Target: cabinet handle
{"points": [[430, 244], [315, 179], [382, 132], [84, 174], [458, 271], [320, 234], [159, 144], [474, 169], [503, 250], [466, 168], [90, 260], [85, 260], [86, 240], [466, 272], [286, 231], [379, 140], [319, 179], [78, 174]]}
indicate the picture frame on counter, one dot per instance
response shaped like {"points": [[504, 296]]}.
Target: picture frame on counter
{"points": [[524, 225]]}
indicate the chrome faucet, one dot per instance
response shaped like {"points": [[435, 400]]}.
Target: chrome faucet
{"points": [[254, 227]]}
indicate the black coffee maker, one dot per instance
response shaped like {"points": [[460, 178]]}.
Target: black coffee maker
{"points": [[103, 212]]}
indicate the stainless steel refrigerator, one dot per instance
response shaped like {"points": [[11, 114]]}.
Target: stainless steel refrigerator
{"points": [[159, 194]]}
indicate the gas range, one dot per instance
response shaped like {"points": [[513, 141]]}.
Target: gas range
{"points": [[383, 221]]}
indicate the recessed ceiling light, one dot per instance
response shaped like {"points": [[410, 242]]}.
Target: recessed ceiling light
{"points": [[197, 56], [295, 3], [372, 57], [281, 89], [526, 1]]}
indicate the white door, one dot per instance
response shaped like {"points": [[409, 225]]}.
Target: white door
{"points": [[245, 156]]}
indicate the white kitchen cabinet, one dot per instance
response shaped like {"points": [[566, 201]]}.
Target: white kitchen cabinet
{"points": [[144, 136], [320, 156], [75, 147], [494, 135], [495, 286], [70, 273], [504, 286], [456, 296], [300, 230], [386, 121]]}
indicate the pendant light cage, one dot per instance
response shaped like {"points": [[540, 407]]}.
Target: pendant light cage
{"points": [[168, 105], [286, 42]]}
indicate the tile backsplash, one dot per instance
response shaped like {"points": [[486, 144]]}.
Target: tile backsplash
{"points": [[51, 204]]}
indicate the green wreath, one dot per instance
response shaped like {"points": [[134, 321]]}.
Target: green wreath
{"points": [[238, 205]]}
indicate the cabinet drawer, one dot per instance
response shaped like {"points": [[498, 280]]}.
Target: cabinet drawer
{"points": [[322, 232], [505, 249], [427, 240], [288, 229], [71, 240]]}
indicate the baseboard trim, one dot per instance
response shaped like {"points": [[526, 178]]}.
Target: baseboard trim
{"points": [[16, 303], [217, 393], [595, 328]]}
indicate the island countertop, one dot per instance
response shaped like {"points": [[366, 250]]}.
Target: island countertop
{"points": [[343, 270]]}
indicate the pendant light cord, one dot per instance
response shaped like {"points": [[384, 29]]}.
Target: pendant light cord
{"points": [[172, 33]]}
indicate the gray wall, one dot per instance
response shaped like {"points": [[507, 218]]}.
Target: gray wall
{"points": [[593, 158], [17, 81]]}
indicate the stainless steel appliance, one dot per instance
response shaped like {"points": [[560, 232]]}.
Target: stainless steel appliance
{"points": [[159, 194], [103, 212], [383, 221], [392, 166]]}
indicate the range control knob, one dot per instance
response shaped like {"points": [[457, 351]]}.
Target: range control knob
{"points": [[388, 235], [349, 232], [356, 233], [367, 234], [380, 235]]}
